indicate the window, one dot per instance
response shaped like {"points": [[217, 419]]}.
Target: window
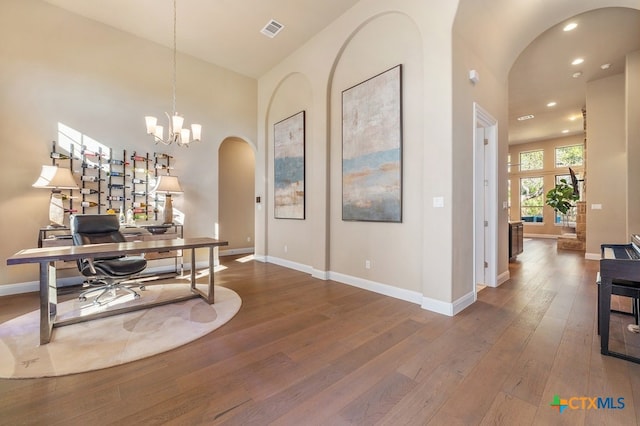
{"points": [[573, 211], [531, 199], [531, 160], [567, 156]]}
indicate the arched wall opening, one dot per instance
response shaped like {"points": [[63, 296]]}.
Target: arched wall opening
{"points": [[489, 41], [236, 211]]}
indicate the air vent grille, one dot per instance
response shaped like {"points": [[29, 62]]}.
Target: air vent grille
{"points": [[272, 28]]}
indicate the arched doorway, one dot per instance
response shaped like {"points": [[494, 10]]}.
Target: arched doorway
{"points": [[236, 183]]}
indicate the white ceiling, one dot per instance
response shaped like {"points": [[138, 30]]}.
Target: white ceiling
{"points": [[227, 33], [221, 32], [543, 71]]}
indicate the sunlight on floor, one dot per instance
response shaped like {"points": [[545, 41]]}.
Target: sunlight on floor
{"points": [[245, 259]]}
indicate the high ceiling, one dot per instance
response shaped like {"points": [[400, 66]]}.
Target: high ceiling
{"points": [[222, 32], [543, 72], [227, 33]]}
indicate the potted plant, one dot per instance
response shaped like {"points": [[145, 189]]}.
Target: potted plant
{"points": [[562, 198]]}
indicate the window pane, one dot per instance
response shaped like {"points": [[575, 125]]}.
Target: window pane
{"points": [[531, 199], [531, 160], [573, 211], [569, 156]]}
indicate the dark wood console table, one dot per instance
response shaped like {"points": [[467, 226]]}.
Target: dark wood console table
{"points": [[47, 258]]}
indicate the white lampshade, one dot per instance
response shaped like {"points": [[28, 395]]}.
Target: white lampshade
{"points": [[151, 124], [176, 122], [167, 185], [196, 131], [185, 134], [54, 177]]}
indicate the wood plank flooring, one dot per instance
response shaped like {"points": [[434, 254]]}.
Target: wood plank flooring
{"points": [[302, 351]]}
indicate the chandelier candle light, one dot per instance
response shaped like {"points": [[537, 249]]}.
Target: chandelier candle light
{"points": [[177, 134]]}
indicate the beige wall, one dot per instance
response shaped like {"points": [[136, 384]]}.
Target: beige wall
{"points": [[63, 68], [548, 173], [291, 239], [413, 257], [606, 180], [59, 67], [236, 177], [491, 94], [632, 82]]}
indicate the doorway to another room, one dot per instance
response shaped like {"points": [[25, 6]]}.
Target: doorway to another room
{"points": [[236, 191]]}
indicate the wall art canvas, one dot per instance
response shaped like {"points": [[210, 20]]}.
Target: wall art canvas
{"points": [[372, 149], [289, 167]]}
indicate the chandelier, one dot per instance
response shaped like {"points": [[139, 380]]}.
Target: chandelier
{"points": [[177, 134]]}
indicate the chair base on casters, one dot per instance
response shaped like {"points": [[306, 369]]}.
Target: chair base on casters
{"points": [[106, 287]]}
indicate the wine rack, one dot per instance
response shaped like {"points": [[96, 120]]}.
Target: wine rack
{"points": [[113, 183], [57, 159]]}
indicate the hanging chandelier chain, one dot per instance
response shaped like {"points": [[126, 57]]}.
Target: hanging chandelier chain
{"points": [[175, 47], [177, 133]]}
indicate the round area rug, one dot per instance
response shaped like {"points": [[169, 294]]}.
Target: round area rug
{"points": [[114, 340]]}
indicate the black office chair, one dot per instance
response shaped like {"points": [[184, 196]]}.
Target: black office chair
{"points": [[104, 274]]}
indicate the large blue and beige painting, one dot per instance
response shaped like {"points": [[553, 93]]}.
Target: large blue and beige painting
{"points": [[371, 157], [289, 168]]}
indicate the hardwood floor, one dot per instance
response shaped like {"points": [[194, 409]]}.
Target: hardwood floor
{"points": [[303, 351]]}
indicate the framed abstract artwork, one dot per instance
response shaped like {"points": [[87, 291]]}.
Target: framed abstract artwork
{"points": [[372, 149], [288, 179]]}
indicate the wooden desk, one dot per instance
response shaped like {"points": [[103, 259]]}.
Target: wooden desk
{"points": [[47, 258]]}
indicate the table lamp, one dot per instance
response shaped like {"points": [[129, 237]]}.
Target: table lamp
{"points": [[167, 185], [56, 179]]}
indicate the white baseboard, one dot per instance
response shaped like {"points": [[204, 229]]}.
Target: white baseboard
{"points": [[321, 275], [592, 256], [232, 252], [503, 278], [289, 264], [411, 296], [464, 302], [376, 287]]}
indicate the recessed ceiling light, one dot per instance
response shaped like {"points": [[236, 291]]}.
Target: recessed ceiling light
{"points": [[525, 117], [569, 27], [577, 61], [576, 74], [552, 104], [565, 131], [605, 66]]}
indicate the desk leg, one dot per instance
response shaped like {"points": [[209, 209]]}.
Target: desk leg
{"points": [[604, 313], [193, 269], [48, 300], [209, 295]]}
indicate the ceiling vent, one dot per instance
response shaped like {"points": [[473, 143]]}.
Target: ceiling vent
{"points": [[272, 28]]}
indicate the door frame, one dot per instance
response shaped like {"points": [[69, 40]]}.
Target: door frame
{"points": [[485, 160]]}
